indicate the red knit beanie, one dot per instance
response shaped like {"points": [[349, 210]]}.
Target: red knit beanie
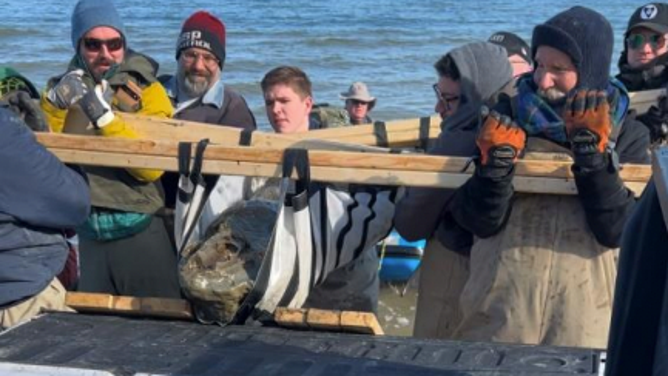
{"points": [[203, 30]]}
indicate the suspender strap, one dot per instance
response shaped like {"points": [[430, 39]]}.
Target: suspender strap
{"points": [[380, 131]]}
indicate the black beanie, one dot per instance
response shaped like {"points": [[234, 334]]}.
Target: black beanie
{"points": [[584, 35]]}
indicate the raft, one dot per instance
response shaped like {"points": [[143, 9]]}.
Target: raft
{"points": [[399, 258]]}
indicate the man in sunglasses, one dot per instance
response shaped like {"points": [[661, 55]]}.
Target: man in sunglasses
{"points": [[125, 248], [542, 267], [643, 63], [197, 91]]}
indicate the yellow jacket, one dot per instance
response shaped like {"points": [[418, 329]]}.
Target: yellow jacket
{"points": [[154, 102]]}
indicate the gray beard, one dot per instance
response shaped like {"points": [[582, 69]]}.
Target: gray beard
{"points": [[191, 88], [552, 96]]}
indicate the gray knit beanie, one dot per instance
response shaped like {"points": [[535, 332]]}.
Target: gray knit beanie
{"points": [[89, 14]]}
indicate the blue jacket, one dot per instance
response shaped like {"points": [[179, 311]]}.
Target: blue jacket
{"points": [[39, 197]]}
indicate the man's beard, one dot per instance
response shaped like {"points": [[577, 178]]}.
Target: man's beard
{"points": [[195, 85], [552, 96], [100, 72]]}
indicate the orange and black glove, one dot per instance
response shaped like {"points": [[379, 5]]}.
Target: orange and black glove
{"points": [[500, 142], [588, 125]]}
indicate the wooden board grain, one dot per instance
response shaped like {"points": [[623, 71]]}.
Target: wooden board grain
{"points": [[328, 320], [532, 176], [147, 307], [400, 133]]}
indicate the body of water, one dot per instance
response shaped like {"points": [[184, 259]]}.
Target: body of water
{"points": [[390, 45]]}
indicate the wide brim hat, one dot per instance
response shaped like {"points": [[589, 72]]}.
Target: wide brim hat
{"points": [[359, 91]]}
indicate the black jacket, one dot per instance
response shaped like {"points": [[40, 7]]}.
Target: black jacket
{"points": [[653, 75], [641, 303], [482, 205]]}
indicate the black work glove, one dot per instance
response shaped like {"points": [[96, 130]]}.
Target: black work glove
{"points": [[656, 120], [27, 109], [68, 91]]}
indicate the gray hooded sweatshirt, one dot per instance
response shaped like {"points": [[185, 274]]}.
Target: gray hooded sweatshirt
{"points": [[484, 71]]}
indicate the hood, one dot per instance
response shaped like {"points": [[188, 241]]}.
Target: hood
{"points": [[484, 70]]}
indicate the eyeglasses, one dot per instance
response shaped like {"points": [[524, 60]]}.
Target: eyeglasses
{"points": [[95, 45], [192, 56], [448, 101], [636, 41]]}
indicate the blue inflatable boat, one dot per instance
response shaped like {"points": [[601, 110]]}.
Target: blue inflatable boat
{"points": [[399, 258]]}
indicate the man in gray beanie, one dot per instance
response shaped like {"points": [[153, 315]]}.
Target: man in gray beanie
{"points": [[125, 248], [544, 272]]}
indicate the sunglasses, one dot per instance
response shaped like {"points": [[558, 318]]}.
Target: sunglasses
{"points": [[95, 45], [636, 41], [446, 100], [356, 102]]}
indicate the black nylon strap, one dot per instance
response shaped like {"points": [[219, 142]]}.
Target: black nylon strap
{"points": [[246, 137], [297, 159], [196, 178], [196, 173], [380, 131], [425, 124], [184, 158]]}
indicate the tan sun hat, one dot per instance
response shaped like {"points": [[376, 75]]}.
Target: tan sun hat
{"points": [[359, 91]]}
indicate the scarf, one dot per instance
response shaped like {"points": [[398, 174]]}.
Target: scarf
{"points": [[539, 119]]}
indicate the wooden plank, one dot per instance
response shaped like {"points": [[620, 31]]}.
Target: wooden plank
{"points": [[328, 320], [642, 100], [361, 322], [291, 317], [148, 307], [154, 128], [332, 159], [532, 176], [400, 133], [323, 320]]}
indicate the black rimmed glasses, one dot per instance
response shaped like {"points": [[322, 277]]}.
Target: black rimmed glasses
{"points": [[208, 59], [449, 101]]}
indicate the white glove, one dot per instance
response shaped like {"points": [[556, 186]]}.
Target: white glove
{"points": [[95, 104]]}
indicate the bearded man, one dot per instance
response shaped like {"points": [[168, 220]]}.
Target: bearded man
{"points": [[197, 90]]}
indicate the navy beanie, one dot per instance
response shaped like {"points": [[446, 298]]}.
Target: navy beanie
{"points": [[89, 14], [584, 35]]}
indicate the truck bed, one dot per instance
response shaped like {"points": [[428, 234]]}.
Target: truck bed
{"points": [[79, 344]]}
